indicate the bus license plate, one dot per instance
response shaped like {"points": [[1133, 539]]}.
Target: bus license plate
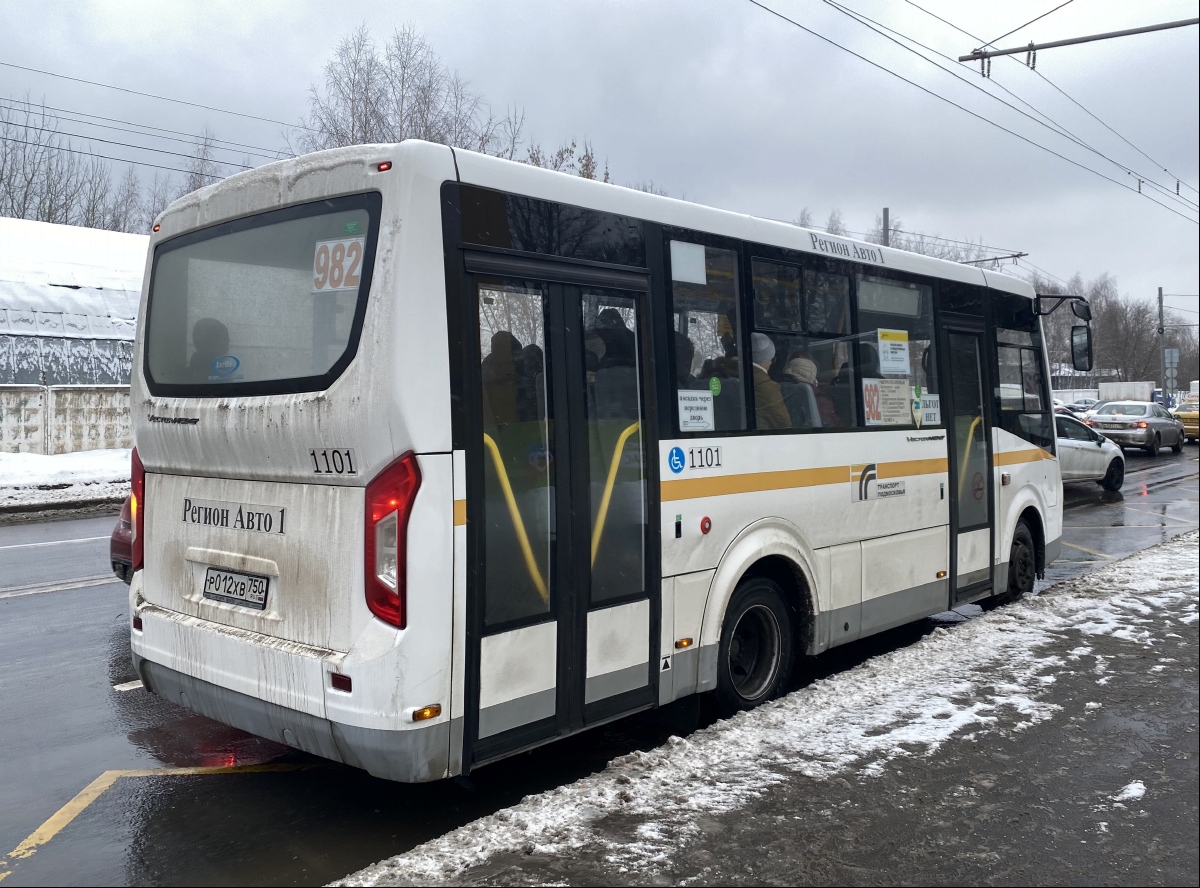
{"points": [[248, 590]]}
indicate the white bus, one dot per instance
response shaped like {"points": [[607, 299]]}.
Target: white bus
{"points": [[441, 457]]}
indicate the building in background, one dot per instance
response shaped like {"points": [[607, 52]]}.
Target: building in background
{"points": [[68, 308]]}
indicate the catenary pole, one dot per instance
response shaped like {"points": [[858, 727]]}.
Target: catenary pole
{"points": [[1162, 344], [887, 236]]}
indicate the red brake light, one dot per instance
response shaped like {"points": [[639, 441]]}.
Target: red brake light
{"points": [[390, 496], [1142, 425], [384, 166], [137, 508]]}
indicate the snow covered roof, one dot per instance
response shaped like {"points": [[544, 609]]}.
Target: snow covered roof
{"points": [[67, 281]]}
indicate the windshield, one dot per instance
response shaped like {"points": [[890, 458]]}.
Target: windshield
{"points": [[1122, 410], [269, 304]]}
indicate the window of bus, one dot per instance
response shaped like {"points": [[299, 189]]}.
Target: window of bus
{"points": [[266, 304], [1022, 398], [708, 368], [518, 464], [801, 339], [895, 353], [1021, 387]]}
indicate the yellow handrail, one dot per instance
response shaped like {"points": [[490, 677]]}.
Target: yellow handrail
{"points": [[962, 476], [515, 514], [602, 515]]}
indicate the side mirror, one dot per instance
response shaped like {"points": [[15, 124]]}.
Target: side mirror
{"points": [[1082, 310], [1081, 347]]}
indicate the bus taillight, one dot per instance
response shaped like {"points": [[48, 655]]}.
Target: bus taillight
{"points": [[390, 497], [137, 508]]}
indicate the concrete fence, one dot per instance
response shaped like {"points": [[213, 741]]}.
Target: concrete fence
{"points": [[64, 418]]}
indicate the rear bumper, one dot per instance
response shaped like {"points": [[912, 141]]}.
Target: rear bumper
{"points": [[1129, 438], [413, 756]]}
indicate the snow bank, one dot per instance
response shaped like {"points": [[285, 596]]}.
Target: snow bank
{"points": [[992, 673], [28, 479]]}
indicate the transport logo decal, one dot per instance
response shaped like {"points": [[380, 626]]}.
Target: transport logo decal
{"points": [[865, 484], [175, 420], [225, 365]]}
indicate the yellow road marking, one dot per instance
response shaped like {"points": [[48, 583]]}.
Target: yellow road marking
{"points": [[60, 819], [1157, 515], [1086, 549]]}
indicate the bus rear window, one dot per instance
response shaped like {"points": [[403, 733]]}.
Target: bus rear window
{"points": [[269, 304]]}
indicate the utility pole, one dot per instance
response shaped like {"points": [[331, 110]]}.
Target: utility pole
{"points": [[887, 234], [1162, 344]]}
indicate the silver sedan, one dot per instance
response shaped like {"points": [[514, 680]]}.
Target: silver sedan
{"points": [[1086, 455], [1138, 424]]}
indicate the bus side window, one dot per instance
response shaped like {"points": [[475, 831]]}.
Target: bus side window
{"points": [[803, 313], [708, 388]]}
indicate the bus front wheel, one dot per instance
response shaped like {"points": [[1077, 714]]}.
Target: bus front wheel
{"points": [[1022, 564], [755, 656]]}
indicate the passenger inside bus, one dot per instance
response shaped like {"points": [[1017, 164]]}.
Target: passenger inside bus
{"points": [[769, 408], [211, 340]]}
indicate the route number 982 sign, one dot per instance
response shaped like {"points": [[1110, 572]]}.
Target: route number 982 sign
{"points": [[337, 265]]}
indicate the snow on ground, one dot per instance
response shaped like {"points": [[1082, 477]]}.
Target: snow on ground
{"points": [[992, 673], [28, 479], [1131, 792]]}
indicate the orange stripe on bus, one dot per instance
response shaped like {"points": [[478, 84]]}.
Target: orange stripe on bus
{"points": [[460, 512], [757, 482], [1013, 457]]}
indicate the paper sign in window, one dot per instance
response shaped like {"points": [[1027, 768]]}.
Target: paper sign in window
{"points": [[696, 411], [887, 402], [687, 263], [893, 351], [337, 265]]}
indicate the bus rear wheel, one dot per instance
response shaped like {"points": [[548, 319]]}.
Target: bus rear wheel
{"points": [[756, 651]]}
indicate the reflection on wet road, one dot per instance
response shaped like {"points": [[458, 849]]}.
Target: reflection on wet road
{"points": [[65, 725]]}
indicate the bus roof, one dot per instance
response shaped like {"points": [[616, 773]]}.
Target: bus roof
{"points": [[416, 158]]}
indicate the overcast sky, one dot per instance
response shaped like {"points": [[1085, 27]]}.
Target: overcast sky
{"points": [[719, 102]]}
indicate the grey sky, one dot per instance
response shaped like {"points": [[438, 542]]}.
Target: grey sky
{"points": [[719, 102]]}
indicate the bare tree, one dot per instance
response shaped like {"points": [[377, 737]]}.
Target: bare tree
{"points": [[124, 208], [805, 219], [202, 168], [405, 92], [834, 225], [159, 193]]}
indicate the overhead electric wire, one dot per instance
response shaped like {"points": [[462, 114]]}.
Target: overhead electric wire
{"points": [[955, 71], [965, 110], [189, 138], [1040, 270], [1028, 23], [152, 95], [156, 166], [1065, 95], [241, 166]]}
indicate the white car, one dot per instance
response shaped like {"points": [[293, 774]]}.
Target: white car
{"points": [[1086, 455]]}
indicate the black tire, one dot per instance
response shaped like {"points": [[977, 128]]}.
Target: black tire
{"points": [[1022, 564], [754, 660], [1152, 447], [1177, 447], [1114, 477]]}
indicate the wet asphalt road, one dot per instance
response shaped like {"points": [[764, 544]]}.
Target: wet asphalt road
{"points": [[307, 822]]}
